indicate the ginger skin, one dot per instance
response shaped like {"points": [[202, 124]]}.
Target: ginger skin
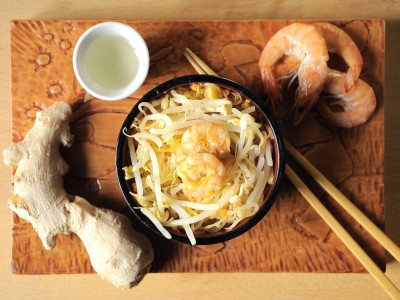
{"points": [[117, 252]]}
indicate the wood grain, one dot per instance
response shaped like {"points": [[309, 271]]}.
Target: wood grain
{"points": [[291, 238]]}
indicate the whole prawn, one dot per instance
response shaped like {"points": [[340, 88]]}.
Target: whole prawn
{"points": [[307, 44], [341, 43], [356, 106]]}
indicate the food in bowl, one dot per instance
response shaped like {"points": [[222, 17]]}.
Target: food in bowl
{"points": [[200, 159]]}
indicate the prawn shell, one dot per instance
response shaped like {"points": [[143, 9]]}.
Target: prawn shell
{"points": [[357, 105], [307, 44], [338, 41]]}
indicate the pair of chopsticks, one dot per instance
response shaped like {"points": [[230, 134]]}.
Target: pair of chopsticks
{"points": [[202, 68]]}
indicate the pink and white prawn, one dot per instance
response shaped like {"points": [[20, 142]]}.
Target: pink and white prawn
{"points": [[344, 108], [308, 46], [341, 43]]}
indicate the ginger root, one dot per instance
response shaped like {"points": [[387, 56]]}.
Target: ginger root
{"points": [[117, 252]]}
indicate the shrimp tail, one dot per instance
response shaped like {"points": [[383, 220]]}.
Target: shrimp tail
{"points": [[351, 77]]}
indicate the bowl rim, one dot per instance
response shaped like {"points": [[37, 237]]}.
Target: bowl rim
{"points": [[260, 105]]}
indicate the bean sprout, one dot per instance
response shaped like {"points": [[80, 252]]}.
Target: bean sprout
{"points": [[156, 153]]}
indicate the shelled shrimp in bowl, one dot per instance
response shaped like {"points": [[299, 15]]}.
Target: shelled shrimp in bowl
{"points": [[206, 137], [202, 173], [302, 51]]}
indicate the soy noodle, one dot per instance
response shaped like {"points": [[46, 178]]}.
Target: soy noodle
{"points": [[111, 62]]}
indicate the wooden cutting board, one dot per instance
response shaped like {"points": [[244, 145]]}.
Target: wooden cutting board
{"points": [[292, 237]]}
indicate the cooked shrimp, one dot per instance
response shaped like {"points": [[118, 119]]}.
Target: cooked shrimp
{"points": [[202, 174], [341, 43], [306, 43], [206, 137], [346, 108]]}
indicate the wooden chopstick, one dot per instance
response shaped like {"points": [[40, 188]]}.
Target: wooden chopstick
{"points": [[346, 238], [340, 198], [200, 63], [193, 62], [339, 230]]}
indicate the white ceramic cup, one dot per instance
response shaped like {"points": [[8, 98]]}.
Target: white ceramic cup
{"points": [[111, 29]]}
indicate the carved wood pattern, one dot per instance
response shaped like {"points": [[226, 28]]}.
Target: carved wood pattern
{"points": [[292, 237]]}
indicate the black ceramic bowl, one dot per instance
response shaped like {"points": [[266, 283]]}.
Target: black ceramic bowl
{"points": [[271, 191]]}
